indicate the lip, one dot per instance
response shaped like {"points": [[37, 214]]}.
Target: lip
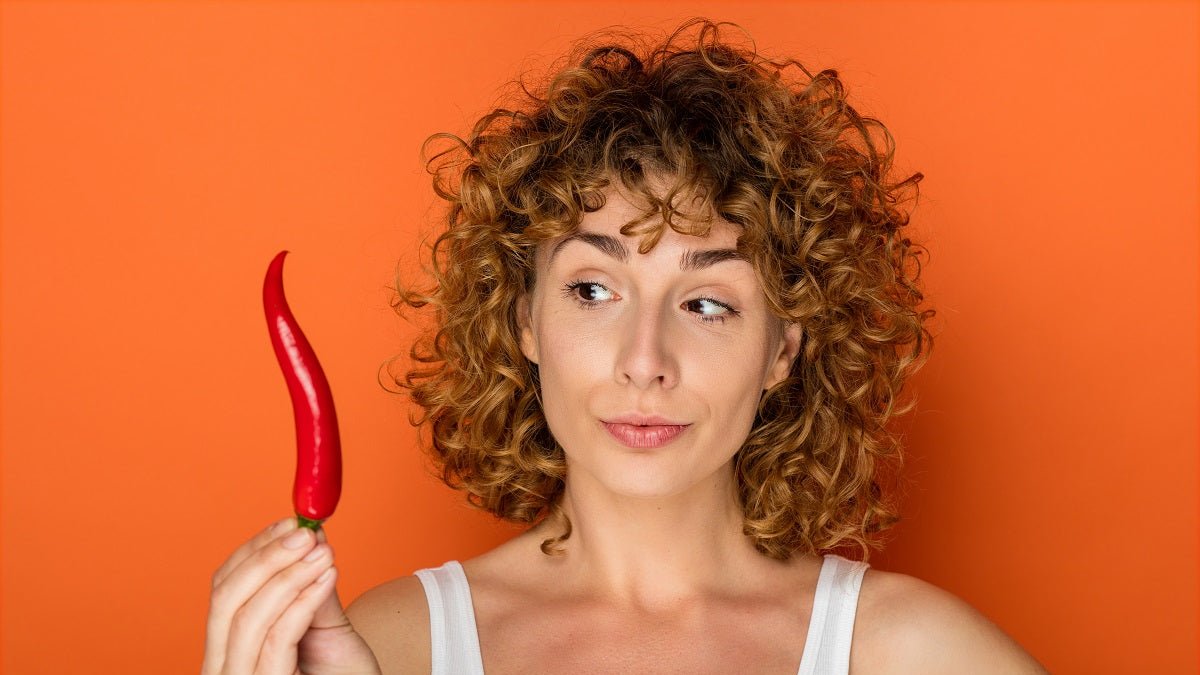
{"points": [[641, 420], [644, 436]]}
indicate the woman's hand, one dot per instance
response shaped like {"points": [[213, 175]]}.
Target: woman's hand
{"points": [[274, 612]]}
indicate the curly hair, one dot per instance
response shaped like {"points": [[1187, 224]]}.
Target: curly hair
{"points": [[785, 159]]}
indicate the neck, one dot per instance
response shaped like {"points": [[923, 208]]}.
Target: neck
{"points": [[654, 553]]}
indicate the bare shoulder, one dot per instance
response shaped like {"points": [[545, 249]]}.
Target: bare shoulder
{"points": [[906, 625], [393, 618]]}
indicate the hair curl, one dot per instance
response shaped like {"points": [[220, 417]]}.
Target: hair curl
{"points": [[790, 162]]}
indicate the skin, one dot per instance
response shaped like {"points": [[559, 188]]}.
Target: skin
{"points": [[652, 528], [656, 563]]}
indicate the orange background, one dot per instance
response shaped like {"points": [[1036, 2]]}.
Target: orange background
{"points": [[157, 155]]}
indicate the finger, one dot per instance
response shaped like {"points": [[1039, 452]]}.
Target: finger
{"points": [[281, 646], [273, 531], [216, 632], [249, 625], [331, 613], [243, 582]]}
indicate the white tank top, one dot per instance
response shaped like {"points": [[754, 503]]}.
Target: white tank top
{"points": [[455, 639]]}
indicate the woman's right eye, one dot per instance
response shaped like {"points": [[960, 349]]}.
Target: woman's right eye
{"points": [[587, 293]]}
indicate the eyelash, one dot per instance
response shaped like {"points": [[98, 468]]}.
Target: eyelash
{"points": [[570, 288]]}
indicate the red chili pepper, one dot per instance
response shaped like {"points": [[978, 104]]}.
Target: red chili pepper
{"points": [[318, 482]]}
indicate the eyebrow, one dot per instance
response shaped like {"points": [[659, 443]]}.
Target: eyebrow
{"points": [[613, 248]]}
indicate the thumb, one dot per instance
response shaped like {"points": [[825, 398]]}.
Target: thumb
{"points": [[330, 613]]}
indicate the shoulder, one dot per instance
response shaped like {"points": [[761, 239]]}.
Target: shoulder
{"points": [[906, 625], [393, 618]]}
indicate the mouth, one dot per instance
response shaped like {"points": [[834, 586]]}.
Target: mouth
{"points": [[644, 435]]}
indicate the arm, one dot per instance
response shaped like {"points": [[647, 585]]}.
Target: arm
{"points": [[393, 618], [920, 628]]}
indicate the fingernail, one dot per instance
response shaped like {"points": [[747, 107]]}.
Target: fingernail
{"points": [[296, 539], [316, 554], [283, 526]]}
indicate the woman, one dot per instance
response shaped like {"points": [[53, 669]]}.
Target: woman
{"points": [[675, 310]]}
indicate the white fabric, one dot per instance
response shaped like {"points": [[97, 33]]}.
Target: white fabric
{"points": [[455, 638], [452, 631], [827, 648]]}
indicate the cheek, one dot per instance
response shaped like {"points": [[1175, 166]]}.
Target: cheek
{"points": [[570, 341], [729, 384], [575, 359], [729, 376]]}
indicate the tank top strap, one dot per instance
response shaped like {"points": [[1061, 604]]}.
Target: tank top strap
{"points": [[827, 647], [454, 637]]}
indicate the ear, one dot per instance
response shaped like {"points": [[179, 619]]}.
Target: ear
{"points": [[789, 347], [525, 332]]}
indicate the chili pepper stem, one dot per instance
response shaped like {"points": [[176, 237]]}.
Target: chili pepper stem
{"points": [[314, 525]]}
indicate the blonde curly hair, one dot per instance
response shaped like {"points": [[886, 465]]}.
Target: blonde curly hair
{"points": [[789, 162]]}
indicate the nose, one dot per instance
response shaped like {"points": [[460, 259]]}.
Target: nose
{"points": [[646, 353]]}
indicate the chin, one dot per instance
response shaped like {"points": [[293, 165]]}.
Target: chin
{"points": [[628, 479]]}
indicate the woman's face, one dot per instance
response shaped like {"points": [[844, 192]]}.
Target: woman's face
{"points": [[682, 333]]}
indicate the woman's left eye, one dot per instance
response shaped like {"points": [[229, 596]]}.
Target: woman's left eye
{"points": [[719, 310]]}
